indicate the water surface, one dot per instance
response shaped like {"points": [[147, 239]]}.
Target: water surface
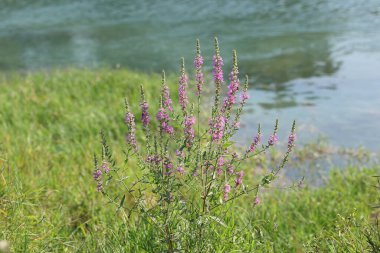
{"points": [[314, 61]]}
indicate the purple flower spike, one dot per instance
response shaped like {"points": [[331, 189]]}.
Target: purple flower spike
{"points": [[181, 170], [164, 118], [217, 71], [131, 136], [220, 166], [218, 64], [244, 96], [105, 167], [257, 201], [188, 129], [292, 137], [233, 87], [98, 178], [145, 118], [256, 141], [198, 63], [217, 128], [273, 139], [227, 189], [167, 102], [182, 87], [239, 178]]}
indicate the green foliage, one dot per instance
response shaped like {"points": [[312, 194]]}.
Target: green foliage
{"points": [[49, 126]]}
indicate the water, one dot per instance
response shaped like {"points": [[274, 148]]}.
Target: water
{"points": [[314, 61]]}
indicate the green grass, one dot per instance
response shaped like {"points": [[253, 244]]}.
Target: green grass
{"points": [[49, 130]]}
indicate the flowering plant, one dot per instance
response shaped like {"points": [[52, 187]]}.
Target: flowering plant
{"points": [[189, 173]]}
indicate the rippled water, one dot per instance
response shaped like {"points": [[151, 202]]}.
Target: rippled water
{"points": [[314, 61]]}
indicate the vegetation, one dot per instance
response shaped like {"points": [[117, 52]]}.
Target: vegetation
{"points": [[49, 129]]}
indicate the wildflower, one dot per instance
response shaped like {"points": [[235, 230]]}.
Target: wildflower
{"points": [[230, 169], [97, 174], [227, 189], [98, 178], [244, 96], [217, 128], [257, 201], [273, 139], [291, 140], [292, 137], [256, 141], [236, 125], [168, 167], [239, 178], [188, 129], [182, 87], [198, 63], [155, 159], [164, 118], [233, 87], [145, 118], [167, 102], [131, 136], [218, 76], [220, 166], [181, 170], [180, 153], [105, 167], [217, 70]]}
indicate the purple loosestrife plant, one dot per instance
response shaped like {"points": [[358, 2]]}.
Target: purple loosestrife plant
{"points": [[198, 63], [183, 100], [145, 118], [186, 177]]}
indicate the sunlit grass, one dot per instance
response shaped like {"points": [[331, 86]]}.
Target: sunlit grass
{"points": [[49, 130]]}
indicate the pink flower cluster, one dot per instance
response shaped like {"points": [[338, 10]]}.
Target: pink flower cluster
{"points": [[98, 178], [181, 170], [164, 118], [97, 175], [153, 159], [166, 96], [227, 189], [217, 127], [188, 129], [105, 167], [256, 141], [168, 167], [199, 78], [145, 118], [131, 135], [233, 88], [239, 178], [273, 139], [182, 90], [220, 165], [217, 70], [244, 96], [291, 141]]}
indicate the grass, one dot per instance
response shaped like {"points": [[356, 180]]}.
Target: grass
{"points": [[49, 130]]}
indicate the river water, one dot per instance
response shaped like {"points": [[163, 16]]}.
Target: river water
{"points": [[316, 61]]}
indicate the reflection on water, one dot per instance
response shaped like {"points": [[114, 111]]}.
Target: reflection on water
{"points": [[315, 61]]}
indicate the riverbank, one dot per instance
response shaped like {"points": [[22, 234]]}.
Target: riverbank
{"points": [[49, 130]]}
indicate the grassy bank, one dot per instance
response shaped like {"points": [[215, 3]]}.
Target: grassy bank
{"points": [[49, 130]]}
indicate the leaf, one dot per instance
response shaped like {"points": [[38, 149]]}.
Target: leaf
{"points": [[121, 202], [219, 221], [123, 178], [227, 144]]}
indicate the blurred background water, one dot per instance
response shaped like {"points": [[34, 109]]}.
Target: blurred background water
{"points": [[314, 61]]}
